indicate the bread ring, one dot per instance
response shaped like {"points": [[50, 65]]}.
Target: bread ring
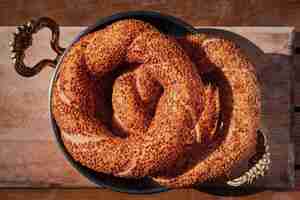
{"points": [[133, 102], [239, 90], [157, 142]]}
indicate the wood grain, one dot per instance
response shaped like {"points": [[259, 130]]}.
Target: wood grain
{"points": [[190, 194], [296, 122], [297, 77], [196, 12], [29, 156]]}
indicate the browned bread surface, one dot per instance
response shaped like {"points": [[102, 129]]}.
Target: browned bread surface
{"points": [[133, 102]]}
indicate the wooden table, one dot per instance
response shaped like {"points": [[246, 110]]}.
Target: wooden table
{"points": [[195, 12], [71, 13]]}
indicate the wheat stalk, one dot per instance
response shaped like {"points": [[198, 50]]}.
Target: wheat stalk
{"points": [[256, 171]]}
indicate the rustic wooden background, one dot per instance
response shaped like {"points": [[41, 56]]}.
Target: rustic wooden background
{"points": [[218, 12], [204, 13]]}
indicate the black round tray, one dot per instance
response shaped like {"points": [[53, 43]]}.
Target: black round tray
{"points": [[166, 24]]}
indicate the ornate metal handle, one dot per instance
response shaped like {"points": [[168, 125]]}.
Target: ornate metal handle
{"points": [[260, 167], [22, 40]]}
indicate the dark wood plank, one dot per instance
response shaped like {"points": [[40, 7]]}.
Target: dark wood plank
{"points": [[37, 164], [297, 178], [296, 138], [296, 122], [70, 194], [296, 97], [188, 194], [297, 78], [196, 12]]}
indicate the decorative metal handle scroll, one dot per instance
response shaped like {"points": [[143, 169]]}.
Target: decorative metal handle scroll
{"points": [[22, 40], [258, 169]]}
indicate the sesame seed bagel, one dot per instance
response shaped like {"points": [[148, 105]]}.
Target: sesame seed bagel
{"points": [[151, 143], [133, 102]]}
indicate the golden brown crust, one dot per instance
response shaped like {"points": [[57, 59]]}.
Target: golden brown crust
{"points": [[207, 124], [155, 144], [240, 112], [167, 117]]}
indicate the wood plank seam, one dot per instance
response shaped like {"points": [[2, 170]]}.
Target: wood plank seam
{"points": [[296, 109], [295, 51]]}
